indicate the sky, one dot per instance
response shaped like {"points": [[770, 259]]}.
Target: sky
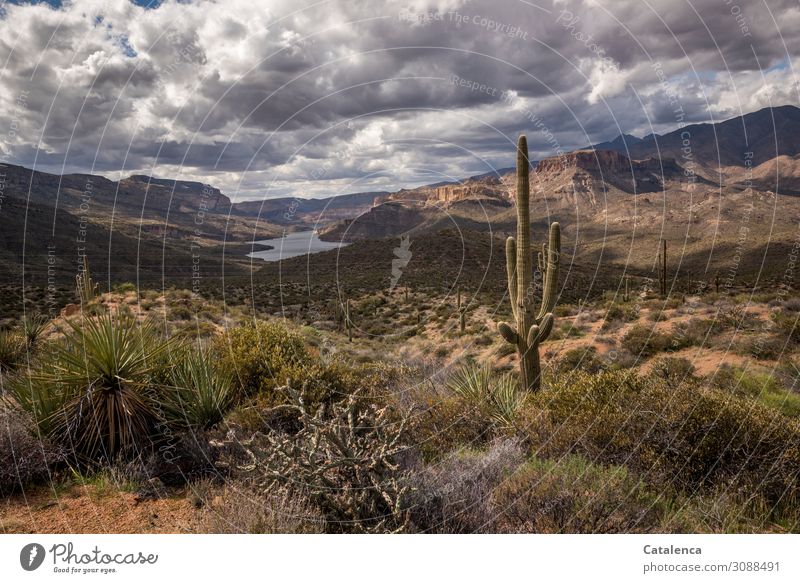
{"points": [[320, 98]]}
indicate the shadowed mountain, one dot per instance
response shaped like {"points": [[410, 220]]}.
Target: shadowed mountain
{"points": [[751, 139]]}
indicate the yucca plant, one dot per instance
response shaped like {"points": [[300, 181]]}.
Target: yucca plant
{"points": [[94, 392], [499, 396], [12, 349], [505, 398], [200, 392], [472, 382], [33, 326]]}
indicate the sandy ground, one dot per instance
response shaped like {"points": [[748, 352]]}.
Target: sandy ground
{"points": [[84, 510]]}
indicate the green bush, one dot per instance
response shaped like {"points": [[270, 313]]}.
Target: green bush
{"points": [[788, 324], [642, 341], [765, 387], [673, 370], [584, 358], [684, 434], [573, 495], [262, 356]]}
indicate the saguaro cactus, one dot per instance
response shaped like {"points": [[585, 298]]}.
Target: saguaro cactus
{"points": [[86, 287], [347, 322], [530, 329], [662, 268]]}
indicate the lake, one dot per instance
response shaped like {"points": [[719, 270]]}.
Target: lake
{"points": [[293, 245]]}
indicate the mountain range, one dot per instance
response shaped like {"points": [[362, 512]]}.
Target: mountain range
{"points": [[695, 186]]}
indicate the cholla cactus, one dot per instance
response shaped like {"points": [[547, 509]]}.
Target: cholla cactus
{"points": [[529, 330], [344, 458], [85, 285]]}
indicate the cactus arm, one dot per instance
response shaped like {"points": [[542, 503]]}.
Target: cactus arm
{"points": [[533, 333], [542, 331], [511, 271], [507, 332], [550, 286]]}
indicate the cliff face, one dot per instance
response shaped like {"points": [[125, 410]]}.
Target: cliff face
{"points": [[589, 176], [383, 220], [490, 189]]}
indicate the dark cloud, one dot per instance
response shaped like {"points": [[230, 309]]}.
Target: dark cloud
{"points": [[380, 94]]}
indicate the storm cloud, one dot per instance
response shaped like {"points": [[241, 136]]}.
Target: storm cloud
{"points": [[322, 98]]}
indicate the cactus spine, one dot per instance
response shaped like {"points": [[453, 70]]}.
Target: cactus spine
{"points": [[530, 330], [86, 287], [626, 297]]}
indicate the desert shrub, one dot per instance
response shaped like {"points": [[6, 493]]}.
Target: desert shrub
{"points": [[685, 434], [565, 310], [565, 330], [694, 332], [343, 459], [673, 369], [505, 349], [584, 358], [93, 391], [642, 341], [241, 510], [261, 355], [499, 396], [725, 511], [573, 495], [182, 457], [763, 347], [453, 495], [24, 459], [788, 324], [614, 315], [179, 311], [763, 386], [736, 316], [791, 305], [443, 424], [199, 392], [125, 287], [192, 329]]}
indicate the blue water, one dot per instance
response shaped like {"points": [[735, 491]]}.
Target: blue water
{"points": [[293, 245]]}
